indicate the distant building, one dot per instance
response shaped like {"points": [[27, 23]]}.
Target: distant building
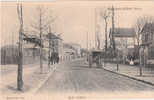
{"points": [[71, 50], [77, 47], [69, 53]]}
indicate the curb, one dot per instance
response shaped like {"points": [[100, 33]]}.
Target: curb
{"points": [[140, 80], [46, 78]]}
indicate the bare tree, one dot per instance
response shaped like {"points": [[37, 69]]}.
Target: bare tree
{"points": [[140, 22], [105, 15], [98, 37], [41, 25], [139, 25], [97, 31], [19, 74]]}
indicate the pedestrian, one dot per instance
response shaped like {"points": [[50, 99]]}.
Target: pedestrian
{"points": [[48, 60], [57, 59], [97, 60], [51, 60]]}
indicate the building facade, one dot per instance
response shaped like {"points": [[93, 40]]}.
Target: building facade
{"points": [[54, 44], [147, 39], [125, 41], [71, 50]]}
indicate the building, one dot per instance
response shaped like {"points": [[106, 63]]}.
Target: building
{"points": [[9, 54], [77, 47], [124, 37], [124, 41], [54, 43], [147, 39], [71, 50], [31, 53], [31, 47], [69, 53]]}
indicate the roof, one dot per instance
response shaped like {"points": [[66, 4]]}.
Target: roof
{"points": [[68, 50], [148, 27], [32, 39], [124, 32], [53, 36], [67, 45], [75, 44]]}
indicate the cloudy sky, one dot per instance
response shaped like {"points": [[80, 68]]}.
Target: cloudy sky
{"points": [[74, 19]]}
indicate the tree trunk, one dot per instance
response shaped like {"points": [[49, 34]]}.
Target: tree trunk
{"points": [[20, 61], [19, 76], [41, 62], [41, 67]]}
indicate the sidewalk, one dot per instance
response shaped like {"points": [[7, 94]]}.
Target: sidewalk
{"points": [[31, 77], [132, 72]]}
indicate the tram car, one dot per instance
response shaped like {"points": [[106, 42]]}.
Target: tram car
{"points": [[95, 57]]}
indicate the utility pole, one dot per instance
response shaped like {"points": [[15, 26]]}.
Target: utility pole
{"points": [[41, 44], [12, 49], [87, 49], [49, 51], [95, 28], [87, 42], [105, 18], [112, 40], [90, 44], [20, 56]]}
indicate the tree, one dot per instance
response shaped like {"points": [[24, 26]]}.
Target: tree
{"points": [[138, 27], [19, 74], [41, 25], [105, 15], [142, 50], [98, 37], [140, 23]]}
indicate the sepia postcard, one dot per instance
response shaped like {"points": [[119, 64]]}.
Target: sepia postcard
{"points": [[77, 50]]}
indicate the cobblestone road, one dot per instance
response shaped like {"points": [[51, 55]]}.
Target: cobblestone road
{"points": [[77, 77]]}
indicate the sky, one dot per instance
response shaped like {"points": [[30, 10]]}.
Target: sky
{"points": [[74, 20]]}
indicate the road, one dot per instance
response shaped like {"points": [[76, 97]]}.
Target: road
{"points": [[75, 77]]}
